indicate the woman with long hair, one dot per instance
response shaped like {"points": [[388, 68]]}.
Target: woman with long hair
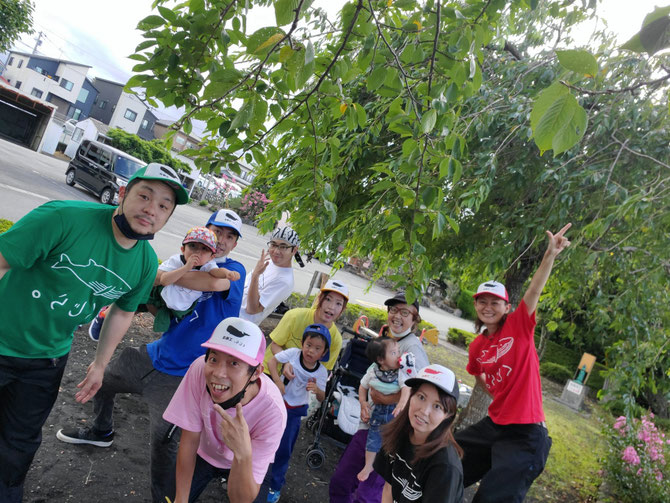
{"points": [[420, 460]]}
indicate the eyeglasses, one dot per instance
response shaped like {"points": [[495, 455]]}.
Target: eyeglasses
{"points": [[272, 245], [403, 312]]}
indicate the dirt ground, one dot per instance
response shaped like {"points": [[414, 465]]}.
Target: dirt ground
{"points": [[68, 473]]}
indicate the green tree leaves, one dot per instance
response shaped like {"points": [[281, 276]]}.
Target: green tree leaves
{"points": [[578, 61], [557, 120], [654, 35]]}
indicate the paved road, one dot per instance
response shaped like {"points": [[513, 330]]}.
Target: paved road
{"points": [[29, 179]]}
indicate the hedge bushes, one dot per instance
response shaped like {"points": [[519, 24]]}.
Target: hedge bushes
{"points": [[148, 151], [5, 225], [466, 304], [555, 371], [459, 337]]}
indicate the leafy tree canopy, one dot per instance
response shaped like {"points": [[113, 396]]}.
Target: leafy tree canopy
{"points": [[16, 18]]}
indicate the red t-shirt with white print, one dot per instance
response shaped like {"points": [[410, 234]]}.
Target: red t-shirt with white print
{"points": [[509, 361]]}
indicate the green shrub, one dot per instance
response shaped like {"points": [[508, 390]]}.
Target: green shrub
{"points": [[148, 151], [459, 337], [555, 353], [556, 372], [5, 225], [203, 202], [234, 203], [465, 303]]}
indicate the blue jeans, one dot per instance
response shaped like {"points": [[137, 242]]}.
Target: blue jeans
{"points": [[288, 439], [380, 415], [28, 390], [202, 474]]}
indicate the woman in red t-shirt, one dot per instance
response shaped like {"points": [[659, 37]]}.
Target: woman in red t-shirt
{"points": [[507, 449]]}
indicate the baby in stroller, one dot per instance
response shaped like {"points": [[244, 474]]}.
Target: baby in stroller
{"points": [[387, 374]]}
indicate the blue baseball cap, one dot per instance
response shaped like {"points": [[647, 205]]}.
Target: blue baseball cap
{"points": [[226, 218], [322, 330]]}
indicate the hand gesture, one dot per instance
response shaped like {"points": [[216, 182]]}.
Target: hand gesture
{"points": [[235, 431], [262, 263], [558, 242], [91, 383], [311, 386]]}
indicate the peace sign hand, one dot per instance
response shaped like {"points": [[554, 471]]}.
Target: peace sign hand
{"points": [[235, 432], [558, 242]]}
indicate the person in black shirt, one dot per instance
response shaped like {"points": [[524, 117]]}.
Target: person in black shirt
{"points": [[419, 459]]}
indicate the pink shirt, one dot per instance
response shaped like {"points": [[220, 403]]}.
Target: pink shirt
{"points": [[509, 361], [192, 409]]}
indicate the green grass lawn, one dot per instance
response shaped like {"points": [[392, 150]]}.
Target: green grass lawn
{"points": [[571, 473]]}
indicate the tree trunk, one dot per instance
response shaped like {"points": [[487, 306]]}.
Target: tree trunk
{"points": [[475, 410], [517, 275], [658, 403]]}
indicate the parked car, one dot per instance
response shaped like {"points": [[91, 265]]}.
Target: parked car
{"points": [[101, 169]]}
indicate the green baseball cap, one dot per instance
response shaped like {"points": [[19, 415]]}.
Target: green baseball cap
{"points": [[165, 174]]}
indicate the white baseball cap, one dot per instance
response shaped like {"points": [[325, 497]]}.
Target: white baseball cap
{"points": [[239, 338], [226, 218], [494, 288], [337, 287], [440, 376]]}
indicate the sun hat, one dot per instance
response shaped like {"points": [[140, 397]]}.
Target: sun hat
{"points": [[291, 237], [399, 298], [439, 376], [493, 288], [162, 173], [226, 218], [322, 330], [239, 338], [201, 235], [337, 287]]}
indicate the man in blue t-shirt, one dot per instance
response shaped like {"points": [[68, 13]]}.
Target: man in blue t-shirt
{"points": [[155, 370]]}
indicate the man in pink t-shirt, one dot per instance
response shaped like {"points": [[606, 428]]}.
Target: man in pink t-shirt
{"points": [[507, 450], [232, 416]]}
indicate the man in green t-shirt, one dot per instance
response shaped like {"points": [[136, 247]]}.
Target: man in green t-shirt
{"points": [[58, 265]]}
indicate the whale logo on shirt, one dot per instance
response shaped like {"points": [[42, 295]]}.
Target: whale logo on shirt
{"points": [[102, 281], [497, 351]]}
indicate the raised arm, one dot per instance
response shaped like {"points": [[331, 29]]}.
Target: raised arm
{"points": [[254, 305], [557, 243], [165, 278]]}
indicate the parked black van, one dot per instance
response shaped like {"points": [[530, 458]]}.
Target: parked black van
{"points": [[101, 169]]}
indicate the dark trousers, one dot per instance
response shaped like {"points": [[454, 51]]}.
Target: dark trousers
{"points": [[202, 475], [133, 372], [288, 439], [28, 390], [506, 458], [344, 486]]}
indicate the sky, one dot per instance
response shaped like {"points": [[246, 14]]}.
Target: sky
{"points": [[103, 34]]}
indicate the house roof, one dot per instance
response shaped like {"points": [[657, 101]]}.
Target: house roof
{"points": [[110, 81], [40, 56], [101, 127]]}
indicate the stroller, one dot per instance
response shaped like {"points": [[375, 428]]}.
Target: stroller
{"points": [[347, 374]]}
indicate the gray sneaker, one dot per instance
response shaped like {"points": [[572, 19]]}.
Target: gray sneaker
{"points": [[85, 435]]}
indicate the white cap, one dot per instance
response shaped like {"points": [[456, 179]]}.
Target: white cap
{"points": [[440, 376], [239, 338], [226, 218], [337, 287], [493, 288]]}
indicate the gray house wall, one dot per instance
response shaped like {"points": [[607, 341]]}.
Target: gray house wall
{"points": [[109, 92]]}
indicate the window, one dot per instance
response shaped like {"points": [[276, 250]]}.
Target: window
{"points": [[76, 114], [18, 84], [145, 124], [94, 153], [11, 60], [103, 104], [20, 63], [130, 115], [189, 144], [38, 69], [66, 84], [180, 140], [83, 95], [36, 92], [78, 133]]}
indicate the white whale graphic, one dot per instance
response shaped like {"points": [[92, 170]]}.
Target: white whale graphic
{"points": [[104, 282]]}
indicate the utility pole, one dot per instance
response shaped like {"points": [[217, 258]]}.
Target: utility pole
{"points": [[38, 42]]}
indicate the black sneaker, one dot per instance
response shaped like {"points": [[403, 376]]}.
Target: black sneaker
{"points": [[85, 435]]}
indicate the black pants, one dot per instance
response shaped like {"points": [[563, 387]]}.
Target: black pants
{"points": [[28, 391], [506, 458]]}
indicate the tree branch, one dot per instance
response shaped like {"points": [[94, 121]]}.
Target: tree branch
{"points": [[639, 154], [655, 82]]}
